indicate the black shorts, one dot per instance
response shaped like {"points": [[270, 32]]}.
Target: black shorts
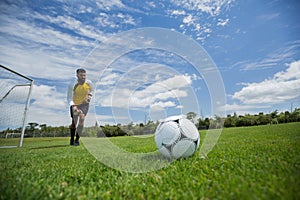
{"points": [[83, 107]]}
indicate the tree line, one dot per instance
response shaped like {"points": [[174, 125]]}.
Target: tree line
{"points": [[42, 130], [249, 120]]}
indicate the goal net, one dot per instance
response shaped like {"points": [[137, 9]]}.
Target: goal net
{"points": [[15, 92]]}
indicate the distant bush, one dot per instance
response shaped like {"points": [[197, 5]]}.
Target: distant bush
{"points": [[110, 131]]}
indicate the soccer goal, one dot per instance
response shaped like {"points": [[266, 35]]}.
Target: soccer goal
{"points": [[15, 90]]}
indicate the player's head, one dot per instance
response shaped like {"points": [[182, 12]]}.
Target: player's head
{"points": [[81, 75]]}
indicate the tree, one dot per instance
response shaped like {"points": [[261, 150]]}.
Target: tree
{"points": [[219, 121], [295, 115], [262, 119], [274, 114], [203, 124], [287, 116], [228, 121], [43, 129], [32, 126]]}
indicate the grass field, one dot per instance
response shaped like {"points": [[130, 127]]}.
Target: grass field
{"points": [[260, 162]]}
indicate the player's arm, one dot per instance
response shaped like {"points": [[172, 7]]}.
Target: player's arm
{"points": [[70, 94], [91, 92]]}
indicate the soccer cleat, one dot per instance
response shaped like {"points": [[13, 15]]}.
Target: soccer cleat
{"points": [[76, 143]]}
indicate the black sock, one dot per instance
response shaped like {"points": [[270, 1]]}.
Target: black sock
{"points": [[72, 131], [78, 132]]}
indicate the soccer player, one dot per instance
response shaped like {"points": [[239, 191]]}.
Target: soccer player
{"points": [[79, 96]]}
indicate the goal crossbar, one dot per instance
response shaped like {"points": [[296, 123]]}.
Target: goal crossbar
{"points": [[12, 71]]}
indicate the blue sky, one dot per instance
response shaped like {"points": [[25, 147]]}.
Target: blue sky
{"points": [[254, 44]]}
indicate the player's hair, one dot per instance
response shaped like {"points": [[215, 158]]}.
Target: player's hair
{"points": [[80, 70]]}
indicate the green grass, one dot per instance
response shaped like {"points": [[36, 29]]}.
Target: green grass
{"points": [[260, 162]]}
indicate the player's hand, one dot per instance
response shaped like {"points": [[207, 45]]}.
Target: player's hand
{"points": [[76, 111], [88, 99]]}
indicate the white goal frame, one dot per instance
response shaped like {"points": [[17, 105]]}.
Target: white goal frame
{"points": [[24, 120]]}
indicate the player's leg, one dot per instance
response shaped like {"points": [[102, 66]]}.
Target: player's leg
{"points": [[84, 108], [73, 125], [79, 128], [72, 132]]}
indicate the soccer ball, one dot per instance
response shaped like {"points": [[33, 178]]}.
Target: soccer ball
{"points": [[177, 137]]}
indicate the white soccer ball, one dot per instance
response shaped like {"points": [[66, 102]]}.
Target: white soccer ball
{"points": [[177, 137]]}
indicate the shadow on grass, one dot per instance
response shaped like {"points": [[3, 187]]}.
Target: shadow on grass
{"points": [[52, 146]]}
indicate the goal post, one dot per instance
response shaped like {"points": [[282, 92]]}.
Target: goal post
{"points": [[15, 91]]}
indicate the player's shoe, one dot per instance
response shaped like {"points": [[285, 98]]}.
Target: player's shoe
{"points": [[76, 143]]}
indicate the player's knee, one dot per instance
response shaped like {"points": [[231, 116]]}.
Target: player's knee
{"points": [[82, 117], [72, 126]]}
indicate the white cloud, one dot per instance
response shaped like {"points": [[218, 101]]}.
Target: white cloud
{"points": [[178, 12], [109, 5], [284, 54], [177, 93], [48, 103], [151, 4], [284, 86], [178, 81], [73, 25], [104, 21], [293, 72], [28, 32], [45, 96], [268, 17], [158, 93], [188, 20], [126, 19], [114, 20], [191, 13], [222, 22], [212, 7], [109, 79], [85, 9], [242, 108], [33, 48], [161, 104]]}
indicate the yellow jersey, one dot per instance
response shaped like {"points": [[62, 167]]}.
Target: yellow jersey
{"points": [[77, 93]]}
